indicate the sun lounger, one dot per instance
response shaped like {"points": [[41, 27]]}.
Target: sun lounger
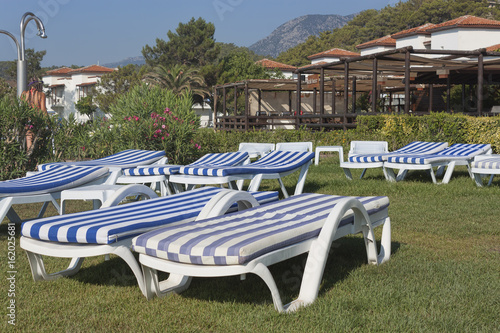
{"points": [[126, 159], [457, 154], [358, 159], [45, 187], [109, 230], [161, 173], [250, 240], [274, 165], [484, 165]]}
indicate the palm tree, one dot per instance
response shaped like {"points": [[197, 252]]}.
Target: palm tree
{"points": [[178, 80]]}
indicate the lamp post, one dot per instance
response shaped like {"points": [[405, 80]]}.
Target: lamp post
{"points": [[21, 61]]}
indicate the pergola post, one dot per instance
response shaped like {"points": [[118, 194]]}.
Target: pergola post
{"points": [[334, 92], [448, 90], [480, 82], [247, 107], [431, 96], [354, 79], [346, 92], [214, 119], [299, 101], [322, 94], [374, 85], [407, 81]]}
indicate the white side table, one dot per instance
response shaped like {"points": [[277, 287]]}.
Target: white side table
{"points": [[97, 193], [320, 149]]}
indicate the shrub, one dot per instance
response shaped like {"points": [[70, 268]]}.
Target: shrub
{"points": [[148, 117], [17, 119]]}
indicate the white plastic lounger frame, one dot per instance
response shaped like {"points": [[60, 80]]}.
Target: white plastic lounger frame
{"points": [[110, 229], [261, 237], [274, 165], [457, 154], [45, 187], [484, 165]]}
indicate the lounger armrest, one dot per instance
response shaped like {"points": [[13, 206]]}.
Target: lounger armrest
{"points": [[127, 191], [221, 203]]}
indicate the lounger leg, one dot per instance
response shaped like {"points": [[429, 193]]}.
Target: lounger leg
{"points": [[362, 173], [401, 174], [125, 253], [389, 174], [12, 216], [263, 272], [347, 173], [302, 178], [38, 268], [174, 284], [283, 188], [449, 172], [318, 253]]}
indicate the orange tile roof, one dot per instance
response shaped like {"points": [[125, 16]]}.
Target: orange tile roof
{"points": [[92, 69], [271, 64], [493, 48], [335, 52], [414, 31], [383, 41], [59, 71], [467, 21]]}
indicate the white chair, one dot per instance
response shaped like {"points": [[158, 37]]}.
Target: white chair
{"points": [[251, 240], [457, 154]]}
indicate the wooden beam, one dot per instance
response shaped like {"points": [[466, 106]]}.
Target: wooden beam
{"points": [[407, 82], [480, 82], [374, 86]]}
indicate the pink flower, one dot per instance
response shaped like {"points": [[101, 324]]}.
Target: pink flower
{"points": [[83, 148], [155, 124], [163, 138], [136, 118], [163, 126]]}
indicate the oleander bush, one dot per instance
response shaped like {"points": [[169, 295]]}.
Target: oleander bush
{"points": [[17, 121]]}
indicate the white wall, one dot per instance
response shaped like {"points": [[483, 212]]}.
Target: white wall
{"points": [[375, 49], [464, 39]]}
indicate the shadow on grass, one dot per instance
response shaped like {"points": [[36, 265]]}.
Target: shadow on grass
{"points": [[345, 256]]}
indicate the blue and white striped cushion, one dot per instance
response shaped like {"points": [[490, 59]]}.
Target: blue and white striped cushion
{"points": [[487, 163], [274, 162], [56, 179], [152, 171], [454, 152], [416, 147], [108, 225], [240, 237], [125, 159]]}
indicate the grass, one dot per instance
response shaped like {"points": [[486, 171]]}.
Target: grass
{"points": [[443, 276]]}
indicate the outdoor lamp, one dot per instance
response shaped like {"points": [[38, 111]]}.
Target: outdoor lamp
{"points": [[21, 61]]}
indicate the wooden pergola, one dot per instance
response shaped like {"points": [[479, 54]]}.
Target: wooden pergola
{"points": [[401, 70]]}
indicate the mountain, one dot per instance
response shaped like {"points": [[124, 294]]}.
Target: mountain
{"points": [[132, 60], [296, 31]]}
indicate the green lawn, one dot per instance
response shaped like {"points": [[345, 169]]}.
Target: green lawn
{"points": [[443, 276]]}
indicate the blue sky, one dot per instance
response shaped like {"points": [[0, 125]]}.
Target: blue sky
{"points": [[102, 31]]}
